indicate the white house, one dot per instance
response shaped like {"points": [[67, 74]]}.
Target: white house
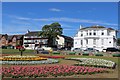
{"points": [[31, 39], [64, 41], [97, 37]]}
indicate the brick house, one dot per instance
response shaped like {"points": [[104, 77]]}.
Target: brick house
{"points": [[11, 40], [3, 40]]}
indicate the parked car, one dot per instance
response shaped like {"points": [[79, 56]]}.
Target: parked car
{"points": [[91, 50], [76, 49], [112, 49], [104, 50], [65, 48]]}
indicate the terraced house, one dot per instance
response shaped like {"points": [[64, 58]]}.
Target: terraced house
{"points": [[10, 40], [98, 37]]}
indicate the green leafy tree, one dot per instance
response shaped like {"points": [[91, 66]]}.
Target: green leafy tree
{"points": [[51, 31]]}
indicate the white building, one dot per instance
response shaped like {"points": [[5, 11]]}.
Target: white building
{"points": [[31, 39], [64, 41], [97, 37]]}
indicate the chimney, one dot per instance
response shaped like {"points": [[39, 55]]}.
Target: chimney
{"points": [[28, 31], [80, 26]]}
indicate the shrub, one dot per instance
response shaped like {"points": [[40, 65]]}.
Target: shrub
{"points": [[72, 53], [85, 54], [98, 54], [56, 52], [4, 47], [116, 55]]}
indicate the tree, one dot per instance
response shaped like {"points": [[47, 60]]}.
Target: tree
{"points": [[51, 32]]}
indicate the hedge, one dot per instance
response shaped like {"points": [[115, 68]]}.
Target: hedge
{"points": [[116, 55], [56, 53], [72, 53], [85, 54], [98, 54]]}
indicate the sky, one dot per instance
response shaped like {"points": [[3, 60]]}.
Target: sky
{"points": [[18, 17]]}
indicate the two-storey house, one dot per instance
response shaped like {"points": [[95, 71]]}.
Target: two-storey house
{"points": [[97, 37]]}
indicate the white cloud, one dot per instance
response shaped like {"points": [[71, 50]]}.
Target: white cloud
{"points": [[55, 9], [66, 19], [76, 20]]}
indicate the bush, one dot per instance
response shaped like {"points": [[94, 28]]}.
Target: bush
{"points": [[56, 52], [116, 55], [85, 54], [72, 53], [98, 54], [4, 47]]}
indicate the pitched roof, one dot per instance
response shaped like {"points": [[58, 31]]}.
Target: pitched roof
{"points": [[6, 36], [66, 37], [96, 27], [10, 37], [32, 33]]}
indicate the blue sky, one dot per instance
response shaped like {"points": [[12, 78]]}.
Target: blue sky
{"points": [[18, 17]]}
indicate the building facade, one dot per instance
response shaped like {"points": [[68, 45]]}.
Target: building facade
{"points": [[64, 41], [31, 40], [97, 37], [11, 40]]}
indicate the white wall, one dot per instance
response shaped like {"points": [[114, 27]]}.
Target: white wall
{"points": [[61, 41], [107, 39]]}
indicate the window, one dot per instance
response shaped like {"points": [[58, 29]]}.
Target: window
{"points": [[94, 33], [87, 33], [81, 34], [102, 33], [90, 33], [87, 41], [94, 41], [102, 41], [81, 42], [75, 42]]}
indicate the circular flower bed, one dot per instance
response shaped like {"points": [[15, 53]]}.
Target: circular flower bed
{"points": [[48, 61], [46, 71], [22, 58], [93, 62]]}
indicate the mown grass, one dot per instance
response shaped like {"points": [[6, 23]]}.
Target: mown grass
{"points": [[14, 51]]}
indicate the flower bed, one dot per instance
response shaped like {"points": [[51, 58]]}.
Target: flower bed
{"points": [[22, 58], [48, 61], [46, 71], [54, 57], [93, 62]]}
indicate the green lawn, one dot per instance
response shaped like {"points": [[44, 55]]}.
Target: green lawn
{"points": [[14, 51]]}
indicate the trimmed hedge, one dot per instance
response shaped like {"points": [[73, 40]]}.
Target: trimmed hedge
{"points": [[116, 55], [56, 53], [85, 54], [98, 54], [72, 53]]}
